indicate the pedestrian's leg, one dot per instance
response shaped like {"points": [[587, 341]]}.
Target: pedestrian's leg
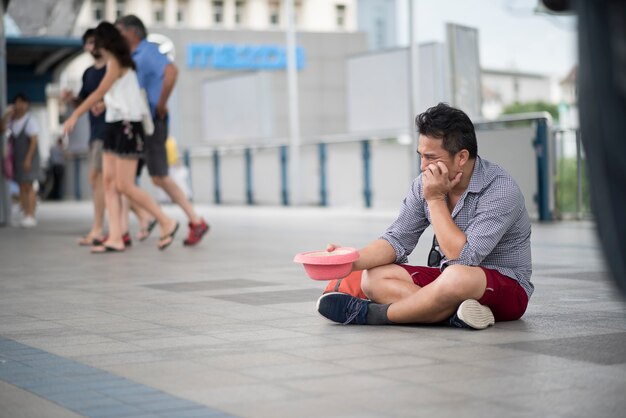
{"points": [[124, 215], [97, 187], [126, 183], [388, 284], [23, 196], [31, 200], [112, 201], [177, 195], [145, 220], [440, 299]]}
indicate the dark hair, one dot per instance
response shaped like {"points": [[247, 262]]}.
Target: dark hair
{"points": [[20, 96], [109, 37], [89, 33], [133, 22], [450, 124]]}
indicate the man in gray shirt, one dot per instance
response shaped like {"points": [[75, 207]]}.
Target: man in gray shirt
{"points": [[482, 253]]}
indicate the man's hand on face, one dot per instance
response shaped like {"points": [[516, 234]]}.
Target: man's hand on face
{"points": [[436, 181]]}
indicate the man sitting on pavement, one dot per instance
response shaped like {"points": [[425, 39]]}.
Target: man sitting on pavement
{"points": [[483, 241]]}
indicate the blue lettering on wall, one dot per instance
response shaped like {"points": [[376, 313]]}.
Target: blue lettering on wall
{"points": [[241, 57]]}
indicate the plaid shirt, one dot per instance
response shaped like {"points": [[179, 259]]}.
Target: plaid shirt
{"points": [[491, 213]]}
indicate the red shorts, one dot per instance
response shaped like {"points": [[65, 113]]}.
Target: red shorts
{"points": [[504, 296]]}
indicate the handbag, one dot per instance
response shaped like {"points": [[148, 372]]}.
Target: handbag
{"points": [[7, 161], [146, 121]]}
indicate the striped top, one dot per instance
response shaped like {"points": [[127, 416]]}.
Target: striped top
{"points": [[491, 213]]}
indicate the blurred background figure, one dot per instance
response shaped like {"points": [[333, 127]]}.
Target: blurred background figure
{"points": [[157, 76], [56, 168], [124, 138], [26, 166], [90, 81]]}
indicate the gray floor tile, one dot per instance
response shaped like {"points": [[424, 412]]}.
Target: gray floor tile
{"points": [[201, 333], [600, 349]]}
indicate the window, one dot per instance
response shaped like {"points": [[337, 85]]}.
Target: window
{"points": [[218, 12], [159, 12], [297, 11], [274, 7], [240, 7], [340, 10], [120, 8], [98, 10], [181, 13]]}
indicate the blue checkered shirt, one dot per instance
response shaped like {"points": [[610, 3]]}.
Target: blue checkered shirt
{"points": [[491, 213]]}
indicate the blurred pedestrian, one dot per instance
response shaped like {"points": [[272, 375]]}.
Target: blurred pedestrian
{"points": [[91, 80], [57, 169], [124, 138], [25, 147], [157, 75]]}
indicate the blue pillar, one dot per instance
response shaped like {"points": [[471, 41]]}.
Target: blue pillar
{"points": [[543, 170], [249, 195], [323, 178], [77, 177], [367, 186], [283, 175], [216, 178]]}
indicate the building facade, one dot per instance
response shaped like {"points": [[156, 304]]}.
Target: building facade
{"points": [[310, 15], [501, 88]]}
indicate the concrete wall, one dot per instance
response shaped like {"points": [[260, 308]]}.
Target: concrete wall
{"points": [[321, 81]]}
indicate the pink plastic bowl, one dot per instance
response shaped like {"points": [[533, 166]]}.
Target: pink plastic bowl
{"points": [[324, 265]]}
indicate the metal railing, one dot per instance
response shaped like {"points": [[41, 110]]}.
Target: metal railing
{"points": [[542, 143]]}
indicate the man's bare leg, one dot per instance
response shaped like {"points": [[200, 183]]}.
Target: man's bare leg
{"points": [[432, 303], [177, 195]]}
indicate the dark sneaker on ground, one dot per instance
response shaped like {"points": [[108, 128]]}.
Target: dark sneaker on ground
{"points": [[472, 314], [343, 308], [196, 232]]}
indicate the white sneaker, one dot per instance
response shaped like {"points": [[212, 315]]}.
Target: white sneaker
{"points": [[472, 314], [28, 222]]}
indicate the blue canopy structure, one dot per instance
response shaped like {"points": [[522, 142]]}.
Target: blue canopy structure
{"points": [[32, 63]]}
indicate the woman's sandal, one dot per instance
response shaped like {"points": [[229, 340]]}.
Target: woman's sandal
{"points": [[101, 249], [86, 241], [144, 233], [169, 236]]}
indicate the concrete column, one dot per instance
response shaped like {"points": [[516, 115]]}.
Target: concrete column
{"points": [[258, 14], [199, 14], [229, 14], [171, 9], [109, 10]]}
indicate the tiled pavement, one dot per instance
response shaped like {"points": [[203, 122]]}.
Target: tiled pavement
{"points": [[229, 328]]}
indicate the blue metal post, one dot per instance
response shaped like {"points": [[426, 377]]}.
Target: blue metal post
{"points": [[543, 170], [323, 179], [77, 178], [216, 178], [367, 187], [249, 196], [283, 175]]}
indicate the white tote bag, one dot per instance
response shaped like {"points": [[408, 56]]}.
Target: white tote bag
{"points": [[147, 122]]}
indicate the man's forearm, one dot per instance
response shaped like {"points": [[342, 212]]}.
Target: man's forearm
{"points": [[169, 80], [450, 238], [377, 253]]}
